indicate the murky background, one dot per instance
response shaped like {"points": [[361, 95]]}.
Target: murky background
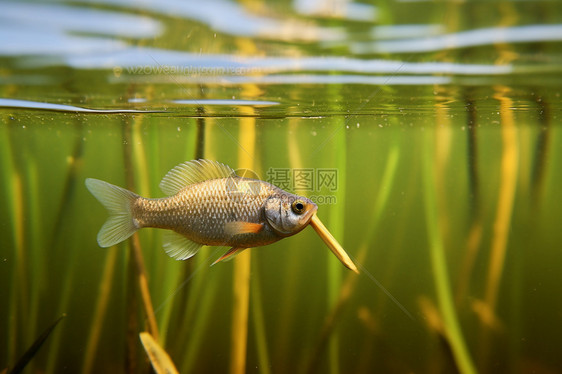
{"points": [[428, 132]]}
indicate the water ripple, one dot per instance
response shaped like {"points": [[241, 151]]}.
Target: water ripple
{"points": [[232, 102], [27, 104], [233, 19], [471, 38], [149, 61], [40, 29]]}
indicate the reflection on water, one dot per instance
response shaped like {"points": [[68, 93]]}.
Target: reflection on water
{"points": [[202, 49], [440, 125], [50, 29], [472, 38]]}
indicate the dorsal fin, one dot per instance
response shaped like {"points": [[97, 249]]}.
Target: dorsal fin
{"points": [[191, 172]]}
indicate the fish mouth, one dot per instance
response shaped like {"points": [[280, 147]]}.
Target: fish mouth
{"points": [[305, 220]]}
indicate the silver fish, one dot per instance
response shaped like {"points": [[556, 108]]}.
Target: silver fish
{"points": [[207, 204]]}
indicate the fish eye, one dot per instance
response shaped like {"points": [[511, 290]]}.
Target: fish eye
{"points": [[298, 206]]}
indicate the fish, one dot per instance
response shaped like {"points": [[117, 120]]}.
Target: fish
{"points": [[207, 203]]}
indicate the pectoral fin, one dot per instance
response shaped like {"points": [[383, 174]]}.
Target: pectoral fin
{"points": [[240, 227], [229, 255]]}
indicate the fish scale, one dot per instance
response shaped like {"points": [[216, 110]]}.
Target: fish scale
{"points": [[202, 210]]}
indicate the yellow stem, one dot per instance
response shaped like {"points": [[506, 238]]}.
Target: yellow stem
{"points": [[332, 243], [242, 262], [506, 197], [159, 358], [101, 307]]}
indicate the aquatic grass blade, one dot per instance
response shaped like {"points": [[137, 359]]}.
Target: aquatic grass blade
{"points": [[451, 323], [332, 243], [105, 288], [32, 351], [203, 297], [160, 360], [130, 153], [259, 322], [242, 263]]}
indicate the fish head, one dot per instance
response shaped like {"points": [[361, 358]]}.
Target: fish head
{"points": [[288, 214]]}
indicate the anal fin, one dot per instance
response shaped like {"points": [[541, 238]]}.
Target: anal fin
{"points": [[229, 255], [178, 246]]}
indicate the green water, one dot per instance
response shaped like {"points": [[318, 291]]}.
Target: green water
{"points": [[438, 121]]}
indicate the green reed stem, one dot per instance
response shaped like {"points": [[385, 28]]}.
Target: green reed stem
{"points": [[105, 287], [198, 324], [259, 323], [476, 227], [36, 258], [509, 170], [132, 136], [336, 218], [242, 263], [543, 148], [197, 284], [131, 314], [12, 201], [200, 135], [175, 276], [451, 325], [59, 248], [149, 152], [202, 288], [34, 348], [348, 286], [387, 180], [169, 280], [285, 317]]}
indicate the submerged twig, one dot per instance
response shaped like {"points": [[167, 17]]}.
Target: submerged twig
{"points": [[332, 243]]}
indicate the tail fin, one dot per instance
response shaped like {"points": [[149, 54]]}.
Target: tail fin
{"points": [[120, 224]]}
